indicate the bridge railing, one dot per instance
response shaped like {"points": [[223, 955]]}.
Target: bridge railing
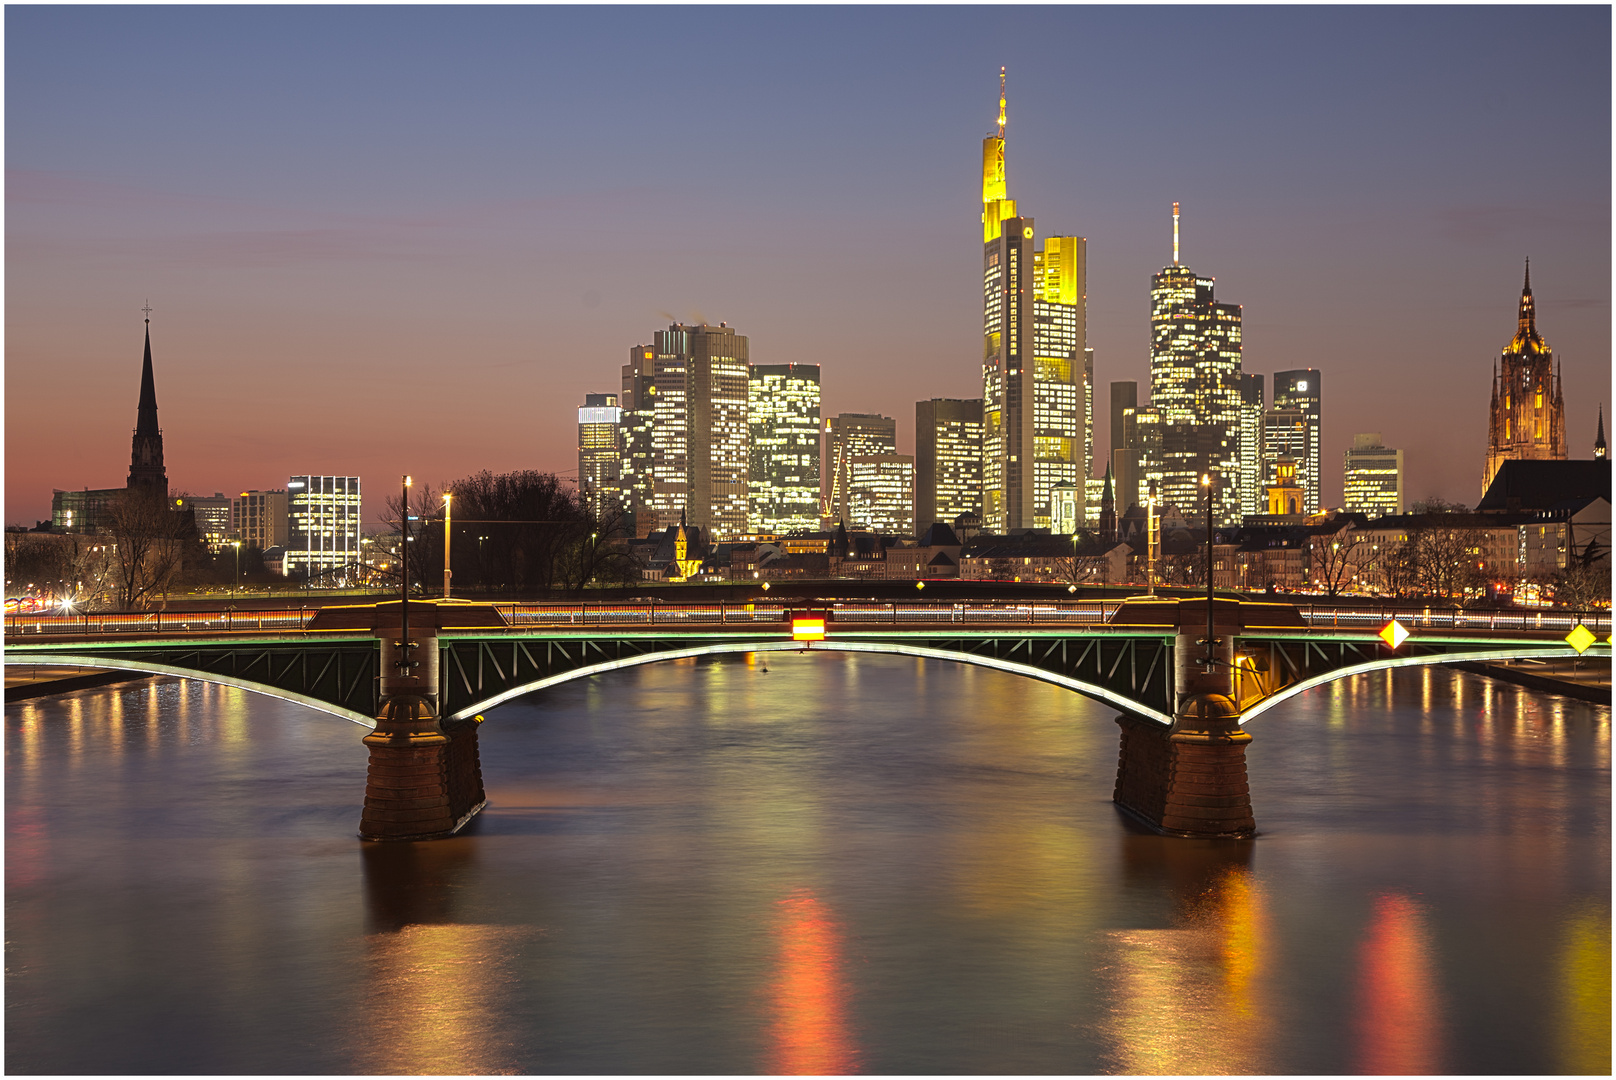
{"points": [[776, 613]]}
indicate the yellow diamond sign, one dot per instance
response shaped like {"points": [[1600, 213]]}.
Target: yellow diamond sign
{"points": [[1580, 638], [1393, 633]]}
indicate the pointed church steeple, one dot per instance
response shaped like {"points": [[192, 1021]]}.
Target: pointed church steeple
{"points": [[1527, 339], [146, 471], [1600, 450]]}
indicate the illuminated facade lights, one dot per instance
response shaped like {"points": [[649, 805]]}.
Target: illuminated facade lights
{"points": [[1195, 390], [1251, 432], [323, 525], [881, 495], [600, 454], [685, 430], [783, 414], [1037, 392], [847, 436], [948, 460], [1527, 418], [1373, 477], [1303, 391]]}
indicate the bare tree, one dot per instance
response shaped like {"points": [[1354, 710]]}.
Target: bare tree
{"points": [[1582, 585], [1446, 562], [1338, 559], [151, 541], [425, 544], [73, 568]]}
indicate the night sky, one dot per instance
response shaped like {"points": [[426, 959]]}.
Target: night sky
{"points": [[387, 240]]}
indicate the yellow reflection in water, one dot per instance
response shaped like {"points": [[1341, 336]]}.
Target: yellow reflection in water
{"points": [[1398, 1009], [1584, 1006], [438, 998], [810, 1035], [1192, 1000]]}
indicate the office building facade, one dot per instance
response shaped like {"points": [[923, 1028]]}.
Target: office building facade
{"points": [[1373, 477], [1252, 500], [323, 527], [1036, 389], [685, 434], [948, 459], [259, 519], [881, 493], [1526, 421], [600, 454], [214, 516], [1302, 390], [783, 479], [1195, 391], [847, 436]]}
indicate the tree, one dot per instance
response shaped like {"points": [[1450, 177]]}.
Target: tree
{"points": [[1446, 562], [151, 546], [68, 567], [425, 545], [1582, 585], [1338, 559]]}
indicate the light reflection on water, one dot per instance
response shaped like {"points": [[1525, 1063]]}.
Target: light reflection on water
{"points": [[840, 863]]}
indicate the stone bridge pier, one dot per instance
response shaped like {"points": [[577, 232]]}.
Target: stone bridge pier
{"points": [[1190, 779], [424, 781]]}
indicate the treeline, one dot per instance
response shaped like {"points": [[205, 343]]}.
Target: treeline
{"points": [[517, 532]]}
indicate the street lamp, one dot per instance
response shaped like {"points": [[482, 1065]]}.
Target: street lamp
{"points": [[447, 514], [235, 583], [1211, 654]]}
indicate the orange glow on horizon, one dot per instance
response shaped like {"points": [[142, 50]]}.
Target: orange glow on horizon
{"points": [[810, 1035]]}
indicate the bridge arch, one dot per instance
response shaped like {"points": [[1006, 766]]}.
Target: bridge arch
{"points": [[150, 667], [1396, 662], [1090, 690]]}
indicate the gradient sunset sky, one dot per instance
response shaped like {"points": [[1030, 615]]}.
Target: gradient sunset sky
{"points": [[384, 240]]}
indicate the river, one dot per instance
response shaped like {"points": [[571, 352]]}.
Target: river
{"points": [[838, 863]]}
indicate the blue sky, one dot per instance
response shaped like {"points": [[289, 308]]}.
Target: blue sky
{"points": [[345, 216]]}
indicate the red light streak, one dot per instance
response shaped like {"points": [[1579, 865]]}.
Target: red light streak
{"points": [[810, 1035]]}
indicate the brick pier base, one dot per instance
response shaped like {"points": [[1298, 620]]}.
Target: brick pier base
{"points": [[422, 784], [1190, 779]]}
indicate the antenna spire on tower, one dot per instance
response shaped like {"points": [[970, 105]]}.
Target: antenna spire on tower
{"points": [[1175, 234], [1001, 102]]}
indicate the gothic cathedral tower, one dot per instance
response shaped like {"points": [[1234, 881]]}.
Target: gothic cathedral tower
{"points": [[146, 472], [1527, 421]]}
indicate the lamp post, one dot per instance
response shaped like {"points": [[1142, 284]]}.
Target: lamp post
{"points": [[1211, 647], [447, 514], [404, 580], [235, 582]]}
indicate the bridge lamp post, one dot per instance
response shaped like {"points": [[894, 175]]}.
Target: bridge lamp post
{"points": [[1211, 644], [404, 579], [447, 517], [235, 582]]}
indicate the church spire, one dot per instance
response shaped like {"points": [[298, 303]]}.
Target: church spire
{"points": [[1600, 450], [1527, 339], [146, 471]]}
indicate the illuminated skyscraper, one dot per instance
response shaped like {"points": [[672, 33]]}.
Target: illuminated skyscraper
{"points": [[1036, 396], [881, 493], [685, 430], [1251, 428], [1285, 436], [783, 414], [1195, 388], [847, 436], [1527, 419], [1303, 390], [1373, 477], [600, 454], [948, 460], [323, 538]]}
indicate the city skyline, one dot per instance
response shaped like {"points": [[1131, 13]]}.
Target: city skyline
{"points": [[322, 305]]}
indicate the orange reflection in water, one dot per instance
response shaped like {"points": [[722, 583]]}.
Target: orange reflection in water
{"points": [[1585, 994], [1398, 1010], [810, 1036]]}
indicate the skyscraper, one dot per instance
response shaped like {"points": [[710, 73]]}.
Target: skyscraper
{"points": [[1035, 397], [260, 518], [948, 459], [783, 414], [146, 471], [881, 493], [1527, 418], [685, 430], [600, 454], [847, 436], [1285, 436], [1124, 444], [1251, 429], [1373, 477], [1303, 390], [324, 517], [1195, 345]]}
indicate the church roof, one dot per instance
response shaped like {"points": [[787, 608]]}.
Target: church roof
{"points": [[1527, 340], [1540, 485]]}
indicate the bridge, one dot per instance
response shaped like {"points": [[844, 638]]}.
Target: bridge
{"points": [[1184, 703]]}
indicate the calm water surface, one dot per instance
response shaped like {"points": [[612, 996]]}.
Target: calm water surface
{"points": [[841, 864]]}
